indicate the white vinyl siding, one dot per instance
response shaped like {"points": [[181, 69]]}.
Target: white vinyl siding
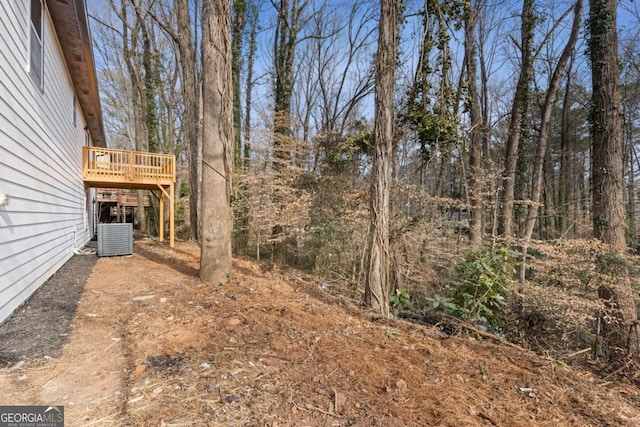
{"points": [[40, 161]]}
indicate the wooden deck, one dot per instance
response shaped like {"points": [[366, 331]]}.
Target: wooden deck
{"points": [[105, 167], [109, 168]]}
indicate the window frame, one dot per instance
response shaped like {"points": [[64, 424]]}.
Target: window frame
{"points": [[36, 40]]}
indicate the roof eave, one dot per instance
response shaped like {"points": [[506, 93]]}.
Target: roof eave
{"points": [[72, 28]]}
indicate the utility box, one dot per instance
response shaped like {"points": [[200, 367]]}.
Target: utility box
{"points": [[115, 239]]}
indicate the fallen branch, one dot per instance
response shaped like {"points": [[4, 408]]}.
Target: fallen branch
{"points": [[620, 369], [579, 352], [487, 418], [313, 408], [275, 356]]}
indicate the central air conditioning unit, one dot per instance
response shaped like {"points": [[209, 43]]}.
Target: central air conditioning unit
{"points": [[115, 239]]}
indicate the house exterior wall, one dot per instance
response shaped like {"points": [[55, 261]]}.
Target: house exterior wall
{"points": [[49, 210]]}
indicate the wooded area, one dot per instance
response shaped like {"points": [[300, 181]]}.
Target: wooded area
{"points": [[342, 138]]}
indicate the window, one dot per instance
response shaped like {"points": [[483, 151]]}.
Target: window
{"points": [[36, 54]]}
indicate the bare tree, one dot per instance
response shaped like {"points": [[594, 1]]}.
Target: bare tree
{"points": [[545, 121], [378, 275], [141, 72], [243, 144], [217, 135], [608, 206], [285, 40], [475, 143], [519, 104], [188, 67], [286, 37], [183, 37], [630, 92], [330, 80], [253, 16], [606, 124], [564, 186], [237, 30]]}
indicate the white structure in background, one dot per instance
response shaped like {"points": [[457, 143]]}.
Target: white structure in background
{"points": [[49, 109]]}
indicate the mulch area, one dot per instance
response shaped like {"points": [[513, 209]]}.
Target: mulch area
{"points": [[41, 326]]}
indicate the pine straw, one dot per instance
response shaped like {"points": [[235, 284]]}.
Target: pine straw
{"points": [[275, 349], [279, 354]]}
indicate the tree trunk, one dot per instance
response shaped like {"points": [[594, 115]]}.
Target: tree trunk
{"points": [[217, 133], [475, 140], [237, 40], [545, 121], [378, 276], [130, 41], [515, 127], [606, 125], [548, 196], [607, 178], [188, 65], [253, 18], [564, 186], [239, 8], [631, 183], [488, 164], [443, 170], [242, 220], [619, 321], [284, 52]]}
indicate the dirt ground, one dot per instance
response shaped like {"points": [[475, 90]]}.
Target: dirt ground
{"points": [[149, 344]]}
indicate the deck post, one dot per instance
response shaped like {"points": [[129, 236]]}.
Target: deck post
{"points": [[130, 172], [172, 202], [85, 161], [161, 216]]}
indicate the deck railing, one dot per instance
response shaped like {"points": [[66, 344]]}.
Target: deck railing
{"points": [[108, 165]]}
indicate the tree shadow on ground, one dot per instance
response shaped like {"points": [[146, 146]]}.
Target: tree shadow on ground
{"points": [[177, 264]]}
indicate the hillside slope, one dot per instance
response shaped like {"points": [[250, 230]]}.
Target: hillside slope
{"points": [[152, 345]]}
